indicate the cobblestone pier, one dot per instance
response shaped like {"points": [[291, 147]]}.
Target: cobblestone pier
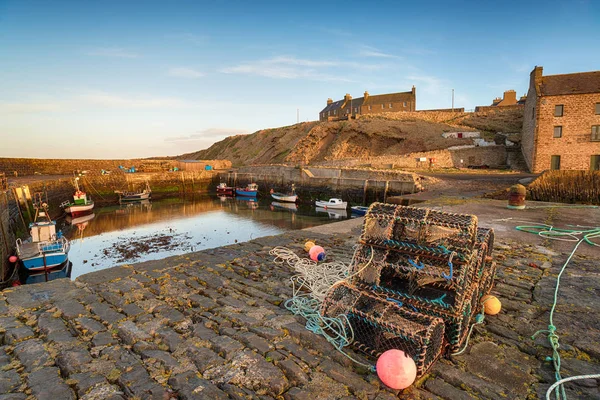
{"points": [[211, 325]]}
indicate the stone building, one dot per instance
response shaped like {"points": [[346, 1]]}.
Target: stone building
{"points": [[369, 104], [561, 124], [509, 99]]}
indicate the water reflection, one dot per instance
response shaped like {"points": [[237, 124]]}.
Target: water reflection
{"points": [[147, 230], [333, 213]]}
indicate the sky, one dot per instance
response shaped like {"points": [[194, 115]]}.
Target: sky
{"points": [[126, 79]]}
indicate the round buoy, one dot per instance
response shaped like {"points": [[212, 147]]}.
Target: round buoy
{"points": [[308, 245], [491, 304], [396, 369], [317, 253], [13, 259], [516, 197]]}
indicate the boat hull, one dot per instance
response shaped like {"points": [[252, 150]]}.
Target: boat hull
{"points": [[246, 193], [327, 205], [134, 197], [53, 260], [228, 191], [288, 198], [79, 208], [359, 210]]}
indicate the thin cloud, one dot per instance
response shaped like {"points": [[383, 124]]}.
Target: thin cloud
{"points": [[368, 51], [184, 72], [117, 101], [112, 52], [289, 67], [210, 133]]}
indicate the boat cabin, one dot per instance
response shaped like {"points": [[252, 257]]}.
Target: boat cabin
{"points": [[252, 187], [334, 201], [42, 231]]}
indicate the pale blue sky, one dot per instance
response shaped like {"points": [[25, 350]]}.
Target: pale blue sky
{"points": [[121, 79]]}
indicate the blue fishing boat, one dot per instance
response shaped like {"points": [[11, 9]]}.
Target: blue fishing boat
{"points": [[249, 191], [359, 210], [45, 249]]}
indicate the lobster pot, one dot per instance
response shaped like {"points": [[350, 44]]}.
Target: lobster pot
{"points": [[486, 267], [487, 279], [419, 230], [457, 327], [378, 325]]}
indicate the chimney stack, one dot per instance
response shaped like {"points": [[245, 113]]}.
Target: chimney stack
{"points": [[329, 101], [347, 97], [366, 95]]}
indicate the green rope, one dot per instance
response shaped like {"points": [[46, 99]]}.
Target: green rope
{"points": [[557, 234]]}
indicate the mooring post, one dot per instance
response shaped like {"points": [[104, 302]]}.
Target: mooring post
{"points": [[387, 184], [365, 192]]}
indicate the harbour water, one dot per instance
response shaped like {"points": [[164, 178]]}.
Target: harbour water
{"points": [[151, 230]]}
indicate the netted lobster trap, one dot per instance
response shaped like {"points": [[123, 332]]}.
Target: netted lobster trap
{"points": [[377, 325], [419, 230], [486, 267]]}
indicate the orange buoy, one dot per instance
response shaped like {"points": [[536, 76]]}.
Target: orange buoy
{"points": [[491, 304]]}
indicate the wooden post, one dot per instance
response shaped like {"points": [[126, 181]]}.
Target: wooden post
{"points": [[387, 184], [365, 187]]}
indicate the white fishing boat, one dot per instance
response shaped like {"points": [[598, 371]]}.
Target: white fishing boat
{"points": [[337, 204], [125, 196]]}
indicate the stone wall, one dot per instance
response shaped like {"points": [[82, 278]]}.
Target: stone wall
{"points": [[575, 147], [494, 108], [31, 166], [493, 156], [10, 225]]}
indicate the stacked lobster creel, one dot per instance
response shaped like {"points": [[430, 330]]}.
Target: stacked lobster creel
{"points": [[429, 261], [377, 325]]}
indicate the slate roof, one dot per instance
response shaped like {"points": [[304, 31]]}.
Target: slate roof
{"points": [[372, 99], [579, 83], [388, 98]]}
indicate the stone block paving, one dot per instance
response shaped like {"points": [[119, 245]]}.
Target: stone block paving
{"points": [[211, 325]]}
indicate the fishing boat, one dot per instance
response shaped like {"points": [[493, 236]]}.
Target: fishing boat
{"points": [[45, 249], [337, 204], [288, 198], [249, 191], [223, 189], [125, 196], [80, 204], [359, 210]]}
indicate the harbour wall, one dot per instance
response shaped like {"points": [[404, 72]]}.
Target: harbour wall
{"points": [[35, 166], [354, 185]]}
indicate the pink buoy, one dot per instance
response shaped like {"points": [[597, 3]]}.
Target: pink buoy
{"points": [[396, 369], [13, 259], [317, 253]]}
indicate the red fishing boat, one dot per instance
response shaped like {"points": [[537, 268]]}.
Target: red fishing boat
{"points": [[223, 189]]}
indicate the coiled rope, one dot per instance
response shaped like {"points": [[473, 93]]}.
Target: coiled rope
{"points": [[317, 279], [570, 235]]}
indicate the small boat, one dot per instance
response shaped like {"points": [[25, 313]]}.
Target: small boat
{"points": [[223, 189], [337, 204], [288, 198], [332, 212], [249, 191], [284, 206], [359, 210], [45, 249], [125, 196], [81, 203]]}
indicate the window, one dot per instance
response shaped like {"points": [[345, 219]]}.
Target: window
{"points": [[404, 104], [369, 108], [334, 112], [595, 163], [382, 107], [595, 133], [555, 162], [355, 110], [328, 113], [558, 131], [597, 108], [533, 112], [390, 105], [558, 110]]}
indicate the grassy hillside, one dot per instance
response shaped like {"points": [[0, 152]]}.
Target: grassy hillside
{"points": [[381, 135]]}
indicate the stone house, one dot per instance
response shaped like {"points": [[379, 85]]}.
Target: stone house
{"points": [[561, 122], [369, 104], [509, 99]]}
